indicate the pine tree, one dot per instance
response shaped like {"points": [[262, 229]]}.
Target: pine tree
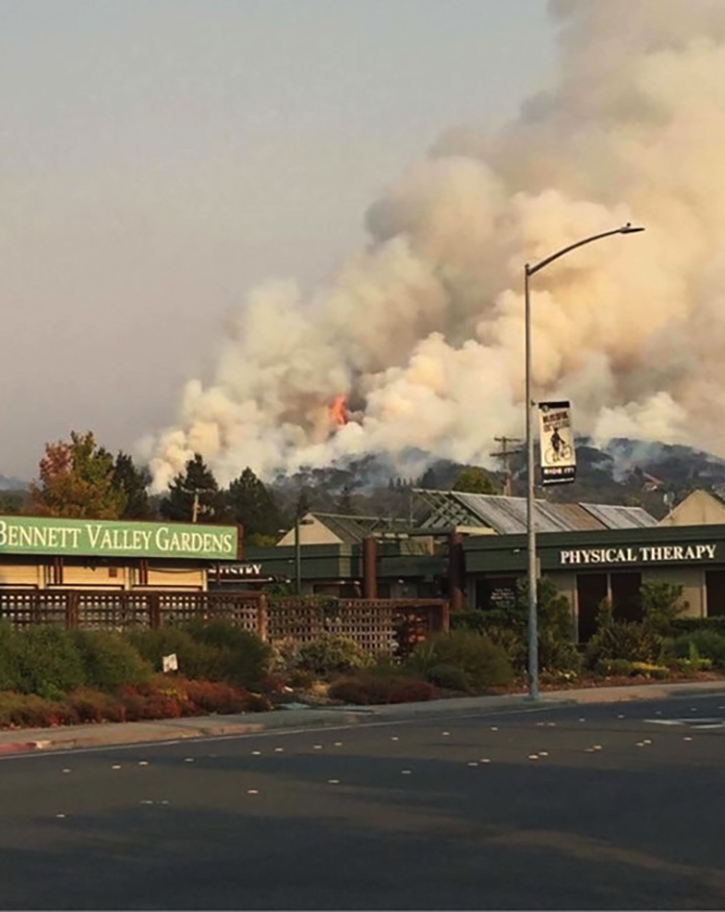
{"points": [[134, 483], [252, 505], [193, 495]]}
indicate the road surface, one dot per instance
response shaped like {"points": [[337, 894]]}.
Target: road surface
{"points": [[619, 806]]}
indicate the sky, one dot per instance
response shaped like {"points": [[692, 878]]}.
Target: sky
{"points": [[158, 158]]}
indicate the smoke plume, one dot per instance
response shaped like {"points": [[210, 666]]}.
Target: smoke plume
{"points": [[422, 331]]}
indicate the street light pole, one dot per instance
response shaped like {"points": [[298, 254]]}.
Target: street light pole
{"points": [[532, 574]]}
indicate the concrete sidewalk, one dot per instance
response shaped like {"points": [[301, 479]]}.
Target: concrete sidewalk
{"points": [[113, 733]]}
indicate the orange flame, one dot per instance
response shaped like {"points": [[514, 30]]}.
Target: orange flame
{"points": [[338, 410]]}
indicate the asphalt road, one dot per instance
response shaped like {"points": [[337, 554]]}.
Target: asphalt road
{"points": [[601, 807]]}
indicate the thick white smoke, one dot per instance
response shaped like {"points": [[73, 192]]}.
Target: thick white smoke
{"points": [[424, 330]]}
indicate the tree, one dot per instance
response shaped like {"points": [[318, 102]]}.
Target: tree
{"points": [[134, 483], [252, 505], [193, 494], [76, 480], [474, 480]]}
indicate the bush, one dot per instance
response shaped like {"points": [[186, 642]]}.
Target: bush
{"points": [[513, 642], [479, 621], [483, 663], [109, 660], [216, 697], [245, 658], [196, 660], [707, 643], [448, 677], [661, 605], [650, 670], [48, 662], [302, 680], [618, 668], [331, 654], [691, 624], [624, 640], [368, 690], [9, 662]]}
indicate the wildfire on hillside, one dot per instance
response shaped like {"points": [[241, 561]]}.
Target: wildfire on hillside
{"points": [[338, 411]]}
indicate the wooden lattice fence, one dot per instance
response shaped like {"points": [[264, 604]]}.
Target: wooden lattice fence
{"points": [[378, 625]]}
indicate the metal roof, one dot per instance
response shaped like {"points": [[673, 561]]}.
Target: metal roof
{"points": [[507, 515], [353, 529], [617, 517]]}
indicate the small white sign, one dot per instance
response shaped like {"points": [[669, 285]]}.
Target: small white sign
{"points": [[170, 662]]}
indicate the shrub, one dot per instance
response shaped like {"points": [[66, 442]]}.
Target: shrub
{"points": [[483, 663], [9, 663], [513, 642], [196, 660], [449, 677], [367, 690], [48, 662], [615, 667], [624, 640], [650, 670], [331, 654], [286, 655], [302, 680], [216, 697], [661, 605], [110, 660], [477, 620], [707, 643], [411, 690], [89, 705], [245, 658], [691, 624]]}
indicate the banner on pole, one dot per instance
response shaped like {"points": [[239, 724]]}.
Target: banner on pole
{"points": [[558, 459]]}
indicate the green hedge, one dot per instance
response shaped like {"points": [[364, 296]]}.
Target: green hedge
{"points": [[691, 624]]}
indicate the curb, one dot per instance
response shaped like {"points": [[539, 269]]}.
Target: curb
{"points": [[21, 747], [137, 733]]}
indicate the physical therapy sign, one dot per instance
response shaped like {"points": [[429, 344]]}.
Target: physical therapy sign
{"points": [[98, 538], [638, 554]]}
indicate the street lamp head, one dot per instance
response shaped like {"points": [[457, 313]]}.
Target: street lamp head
{"points": [[629, 228]]}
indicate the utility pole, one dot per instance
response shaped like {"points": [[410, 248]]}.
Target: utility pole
{"points": [[506, 455]]}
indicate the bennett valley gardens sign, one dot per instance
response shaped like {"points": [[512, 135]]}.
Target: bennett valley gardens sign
{"points": [[100, 538], [637, 554]]}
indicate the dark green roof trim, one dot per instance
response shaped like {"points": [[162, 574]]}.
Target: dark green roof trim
{"points": [[492, 553]]}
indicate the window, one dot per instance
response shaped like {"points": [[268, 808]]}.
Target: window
{"points": [[591, 590], [626, 600], [715, 588], [496, 592]]}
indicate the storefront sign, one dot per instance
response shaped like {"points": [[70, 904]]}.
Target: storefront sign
{"points": [[638, 554], [237, 571], [558, 459], [97, 538]]}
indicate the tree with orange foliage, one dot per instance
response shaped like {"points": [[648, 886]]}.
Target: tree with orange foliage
{"points": [[77, 480]]}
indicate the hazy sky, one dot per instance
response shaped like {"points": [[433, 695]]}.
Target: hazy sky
{"points": [[160, 157]]}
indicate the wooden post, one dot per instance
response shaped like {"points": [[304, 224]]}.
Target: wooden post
{"points": [[262, 617], [370, 569], [456, 571], [154, 609], [72, 609]]}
